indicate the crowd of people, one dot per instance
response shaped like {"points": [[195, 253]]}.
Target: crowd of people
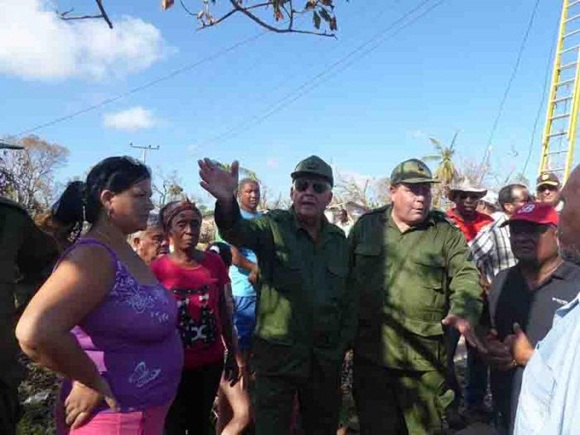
{"points": [[147, 330]]}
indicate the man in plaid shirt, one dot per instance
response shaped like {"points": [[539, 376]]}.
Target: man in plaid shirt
{"points": [[491, 248]]}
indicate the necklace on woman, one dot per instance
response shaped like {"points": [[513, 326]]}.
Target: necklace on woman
{"points": [[104, 236]]}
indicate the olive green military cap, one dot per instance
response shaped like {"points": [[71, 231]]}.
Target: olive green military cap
{"points": [[412, 171], [313, 165]]}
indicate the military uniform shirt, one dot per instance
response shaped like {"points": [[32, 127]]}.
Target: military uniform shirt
{"points": [[304, 308], [408, 282], [26, 255]]}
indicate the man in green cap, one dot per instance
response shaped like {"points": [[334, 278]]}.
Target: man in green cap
{"points": [[26, 253], [411, 269], [305, 316]]}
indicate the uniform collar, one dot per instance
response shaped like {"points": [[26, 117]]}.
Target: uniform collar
{"points": [[430, 220], [325, 226]]}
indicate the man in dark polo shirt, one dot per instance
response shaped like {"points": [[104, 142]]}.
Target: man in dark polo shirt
{"points": [[523, 300]]}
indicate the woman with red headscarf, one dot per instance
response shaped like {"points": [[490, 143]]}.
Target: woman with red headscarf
{"points": [[197, 280]]}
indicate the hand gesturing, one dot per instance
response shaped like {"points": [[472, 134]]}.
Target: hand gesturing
{"points": [[220, 183]]}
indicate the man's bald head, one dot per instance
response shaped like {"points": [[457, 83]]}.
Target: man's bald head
{"points": [[151, 242], [569, 228]]}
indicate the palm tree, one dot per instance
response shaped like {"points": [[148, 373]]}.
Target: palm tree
{"points": [[244, 172], [446, 171]]}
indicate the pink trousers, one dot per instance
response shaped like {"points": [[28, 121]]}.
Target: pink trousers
{"points": [[148, 422]]}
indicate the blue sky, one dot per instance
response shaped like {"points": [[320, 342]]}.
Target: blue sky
{"points": [[446, 72]]}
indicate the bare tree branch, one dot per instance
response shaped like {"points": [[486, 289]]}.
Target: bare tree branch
{"points": [[251, 16], [65, 16], [104, 13]]}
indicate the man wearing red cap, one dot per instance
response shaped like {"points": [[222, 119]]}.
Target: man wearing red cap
{"points": [[523, 300]]}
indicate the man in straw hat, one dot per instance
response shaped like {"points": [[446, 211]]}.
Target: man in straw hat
{"points": [[465, 215]]}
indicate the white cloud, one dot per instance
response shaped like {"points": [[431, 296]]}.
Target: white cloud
{"points": [[135, 118], [38, 45], [193, 149], [418, 134], [272, 163]]}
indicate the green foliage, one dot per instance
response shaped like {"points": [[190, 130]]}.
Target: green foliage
{"points": [[446, 171]]}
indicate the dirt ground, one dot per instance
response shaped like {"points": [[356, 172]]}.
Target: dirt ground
{"points": [[38, 393]]}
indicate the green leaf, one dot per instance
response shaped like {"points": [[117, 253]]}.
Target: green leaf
{"points": [[316, 19], [435, 141]]}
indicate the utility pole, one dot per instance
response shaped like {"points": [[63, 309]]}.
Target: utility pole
{"points": [[145, 149]]}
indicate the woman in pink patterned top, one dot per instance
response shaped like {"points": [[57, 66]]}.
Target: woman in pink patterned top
{"points": [[102, 320]]}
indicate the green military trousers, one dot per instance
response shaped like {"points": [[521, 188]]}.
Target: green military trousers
{"points": [[11, 372], [319, 398], [397, 402]]}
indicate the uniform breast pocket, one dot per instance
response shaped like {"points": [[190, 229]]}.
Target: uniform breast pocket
{"points": [[287, 272], [367, 261], [368, 279], [430, 281], [336, 274]]}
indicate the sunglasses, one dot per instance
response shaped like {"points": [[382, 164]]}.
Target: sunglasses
{"points": [[546, 187], [301, 185], [469, 195]]}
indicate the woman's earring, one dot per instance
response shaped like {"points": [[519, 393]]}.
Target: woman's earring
{"points": [[110, 212]]}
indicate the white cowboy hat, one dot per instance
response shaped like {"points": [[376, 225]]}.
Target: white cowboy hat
{"points": [[467, 187]]}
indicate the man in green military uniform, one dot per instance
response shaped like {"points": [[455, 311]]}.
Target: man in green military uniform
{"points": [[305, 316], [24, 255], [411, 269]]}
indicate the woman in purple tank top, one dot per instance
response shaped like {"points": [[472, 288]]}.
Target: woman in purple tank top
{"points": [[102, 320]]}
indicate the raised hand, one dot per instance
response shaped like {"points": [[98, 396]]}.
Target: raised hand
{"points": [[220, 183]]}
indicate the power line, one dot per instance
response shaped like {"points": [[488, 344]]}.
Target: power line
{"points": [[510, 82], [146, 85], [543, 99], [335, 68]]}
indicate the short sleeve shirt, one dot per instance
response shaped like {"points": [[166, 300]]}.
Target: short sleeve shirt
{"points": [[197, 291], [241, 285], [511, 301]]}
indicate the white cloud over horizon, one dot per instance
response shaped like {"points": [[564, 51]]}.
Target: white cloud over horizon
{"points": [[132, 119], [38, 45], [272, 163]]}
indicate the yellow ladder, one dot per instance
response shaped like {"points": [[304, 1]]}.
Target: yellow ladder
{"points": [[562, 118]]}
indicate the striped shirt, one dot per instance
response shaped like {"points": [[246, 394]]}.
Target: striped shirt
{"points": [[491, 249]]}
